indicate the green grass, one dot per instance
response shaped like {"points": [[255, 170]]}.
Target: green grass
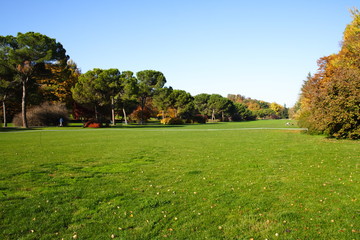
{"points": [[214, 181]]}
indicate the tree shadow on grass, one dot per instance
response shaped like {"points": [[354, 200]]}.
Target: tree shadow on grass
{"points": [[146, 126], [15, 129]]}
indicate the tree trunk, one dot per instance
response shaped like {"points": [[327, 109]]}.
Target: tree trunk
{"points": [[143, 102], [213, 115], [222, 116], [96, 114], [113, 111], [23, 103], [125, 116], [4, 112]]}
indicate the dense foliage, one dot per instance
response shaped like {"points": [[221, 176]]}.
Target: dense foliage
{"points": [[34, 69], [27, 58], [330, 99], [251, 109]]}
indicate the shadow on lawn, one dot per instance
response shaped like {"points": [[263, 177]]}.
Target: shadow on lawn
{"points": [[146, 126], [118, 126], [15, 129]]}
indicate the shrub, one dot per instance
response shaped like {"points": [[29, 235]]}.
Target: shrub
{"points": [[165, 120], [140, 116], [93, 124], [214, 120], [172, 121], [199, 118], [46, 114]]}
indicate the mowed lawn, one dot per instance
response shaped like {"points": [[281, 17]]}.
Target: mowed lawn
{"points": [[213, 181]]}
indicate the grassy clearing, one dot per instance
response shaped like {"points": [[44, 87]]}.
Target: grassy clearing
{"points": [[153, 183]]}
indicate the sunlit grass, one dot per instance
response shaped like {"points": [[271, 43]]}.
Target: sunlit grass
{"points": [[153, 183]]}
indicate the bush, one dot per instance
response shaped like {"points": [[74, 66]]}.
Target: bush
{"points": [[199, 118], [172, 121], [214, 121], [140, 116], [46, 114], [92, 124], [165, 120]]}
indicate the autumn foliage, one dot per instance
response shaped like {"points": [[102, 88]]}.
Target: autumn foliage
{"points": [[92, 124], [141, 115], [330, 99], [172, 121], [104, 94]]}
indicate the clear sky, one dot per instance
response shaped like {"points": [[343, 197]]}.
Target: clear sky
{"points": [[260, 49]]}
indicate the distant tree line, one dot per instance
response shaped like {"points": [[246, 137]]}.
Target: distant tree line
{"points": [[36, 72], [260, 109], [330, 99]]}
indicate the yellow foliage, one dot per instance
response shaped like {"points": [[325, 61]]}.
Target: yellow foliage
{"points": [[276, 107], [253, 106], [165, 120], [171, 121]]}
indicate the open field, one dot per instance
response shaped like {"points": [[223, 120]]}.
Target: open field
{"points": [[213, 181]]}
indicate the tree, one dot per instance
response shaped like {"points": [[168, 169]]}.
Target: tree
{"points": [[236, 98], [295, 110], [213, 105], [257, 109], [182, 102], [99, 88], [5, 86], [26, 55], [149, 81], [341, 104], [84, 91], [242, 113], [126, 98], [218, 105], [253, 105], [330, 99], [8, 81], [266, 113], [109, 83], [201, 102], [162, 99], [106, 88], [57, 86], [278, 109]]}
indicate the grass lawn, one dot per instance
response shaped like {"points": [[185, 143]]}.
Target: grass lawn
{"points": [[212, 181]]}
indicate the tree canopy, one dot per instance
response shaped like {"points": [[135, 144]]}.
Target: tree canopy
{"points": [[149, 81], [26, 56], [39, 65], [330, 99]]}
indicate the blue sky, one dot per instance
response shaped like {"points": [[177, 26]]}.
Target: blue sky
{"points": [[260, 49]]}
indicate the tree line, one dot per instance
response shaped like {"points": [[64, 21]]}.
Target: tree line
{"points": [[35, 69], [330, 99]]}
